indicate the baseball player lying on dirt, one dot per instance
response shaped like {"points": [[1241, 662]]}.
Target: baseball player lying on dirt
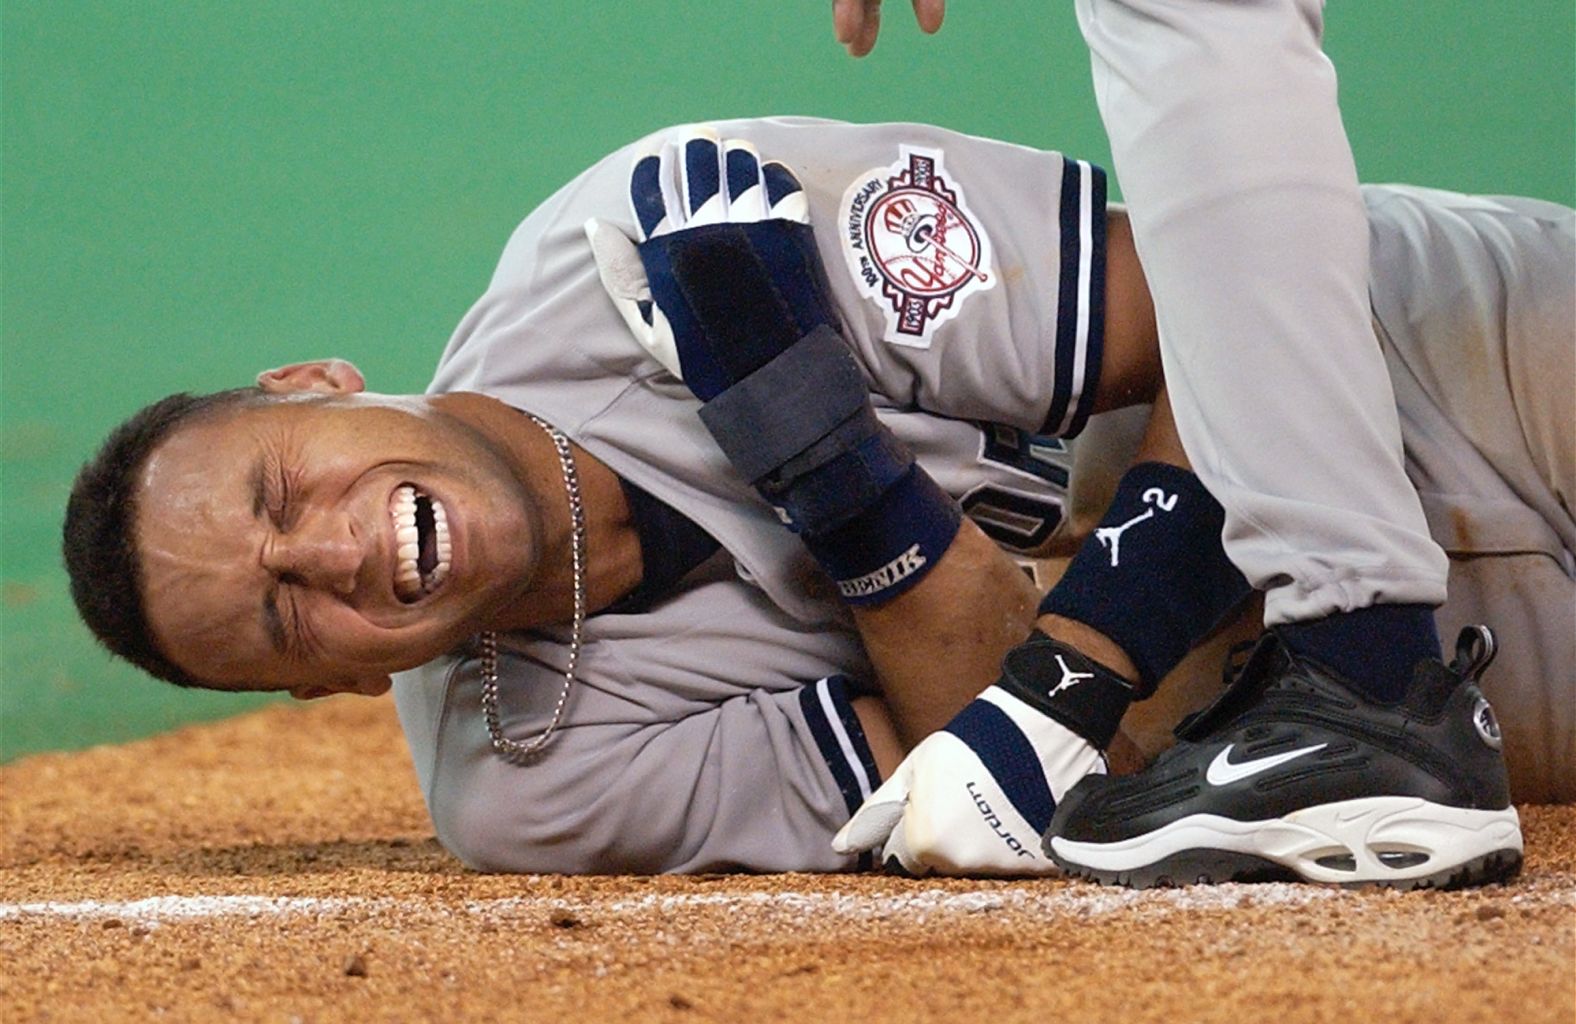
{"points": [[682, 605]]}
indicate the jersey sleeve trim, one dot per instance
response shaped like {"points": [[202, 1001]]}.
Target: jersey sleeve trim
{"points": [[829, 711], [1080, 302]]}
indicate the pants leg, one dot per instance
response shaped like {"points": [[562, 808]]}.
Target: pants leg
{"points": [[1245, 207], [1475, 308]]}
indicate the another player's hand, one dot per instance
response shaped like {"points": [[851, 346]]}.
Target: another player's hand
{"points": [[713, 221], [857, 22], [974, 798]]}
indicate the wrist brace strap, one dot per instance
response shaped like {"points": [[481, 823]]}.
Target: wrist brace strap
{"points": [[781, 410], [1058, 681], [802, 431]]}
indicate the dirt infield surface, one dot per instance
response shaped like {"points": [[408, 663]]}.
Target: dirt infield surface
{"points": [[280, 867]]}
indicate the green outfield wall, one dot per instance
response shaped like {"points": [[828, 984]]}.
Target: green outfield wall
{"points": [[190, 192]]}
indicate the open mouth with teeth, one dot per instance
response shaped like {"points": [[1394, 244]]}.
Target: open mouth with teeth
{"points": [[421, 532]]}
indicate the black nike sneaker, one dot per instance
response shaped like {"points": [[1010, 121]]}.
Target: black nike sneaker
{"points": [[1292, 776]]}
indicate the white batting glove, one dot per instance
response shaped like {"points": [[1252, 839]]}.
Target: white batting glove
{"points": [[975, 798]]}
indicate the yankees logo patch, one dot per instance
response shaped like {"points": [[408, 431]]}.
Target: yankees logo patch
{"points": [[912, 245]]}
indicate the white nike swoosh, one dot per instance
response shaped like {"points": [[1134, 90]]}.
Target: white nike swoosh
{"points": [[1222, 772]]}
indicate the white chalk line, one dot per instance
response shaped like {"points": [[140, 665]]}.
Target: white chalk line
{"points": [[1097, 902], [1078, 901]]}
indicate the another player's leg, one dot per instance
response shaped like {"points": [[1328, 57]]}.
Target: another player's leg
{"points": [[1299, 773], [1247, 215], [1229, 144]]}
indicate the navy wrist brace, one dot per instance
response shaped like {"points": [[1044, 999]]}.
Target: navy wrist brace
{"points": [[1154, 576], [802, 431], [890, 545], [788, 404]]}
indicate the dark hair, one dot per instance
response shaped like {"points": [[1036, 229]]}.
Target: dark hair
{"points": [[101, 558]]}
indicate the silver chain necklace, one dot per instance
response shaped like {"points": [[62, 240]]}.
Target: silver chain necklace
{"points": [[511, 750]]}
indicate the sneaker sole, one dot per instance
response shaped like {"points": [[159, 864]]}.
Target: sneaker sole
{"points": [[1396, 842]]}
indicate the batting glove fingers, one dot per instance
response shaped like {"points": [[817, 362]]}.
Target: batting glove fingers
{"points": [[696, 181]]}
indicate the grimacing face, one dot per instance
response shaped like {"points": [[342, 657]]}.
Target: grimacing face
{"points": [[267, 537]]}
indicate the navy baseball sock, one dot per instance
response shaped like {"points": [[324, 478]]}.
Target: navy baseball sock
{"points": [[1376, 648], [1154, 577]]}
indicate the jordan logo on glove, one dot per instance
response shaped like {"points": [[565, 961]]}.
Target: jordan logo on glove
{"points": [[1070, 678]]}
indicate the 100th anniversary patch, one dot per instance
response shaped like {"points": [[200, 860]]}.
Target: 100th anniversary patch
{"points": [[912, 245]]}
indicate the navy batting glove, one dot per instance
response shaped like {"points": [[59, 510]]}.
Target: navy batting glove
{"points": [[729, 274]]}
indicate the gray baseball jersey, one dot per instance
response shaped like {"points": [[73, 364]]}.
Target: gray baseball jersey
{"points": [[714, 731]]}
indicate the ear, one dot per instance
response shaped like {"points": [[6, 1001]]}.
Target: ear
{"points": [[372, 686], [321, 376]]}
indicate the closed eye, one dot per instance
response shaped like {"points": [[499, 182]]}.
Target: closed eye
{"points": [[282, 511], [275, 492], [285, 611], [273, 620]]}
